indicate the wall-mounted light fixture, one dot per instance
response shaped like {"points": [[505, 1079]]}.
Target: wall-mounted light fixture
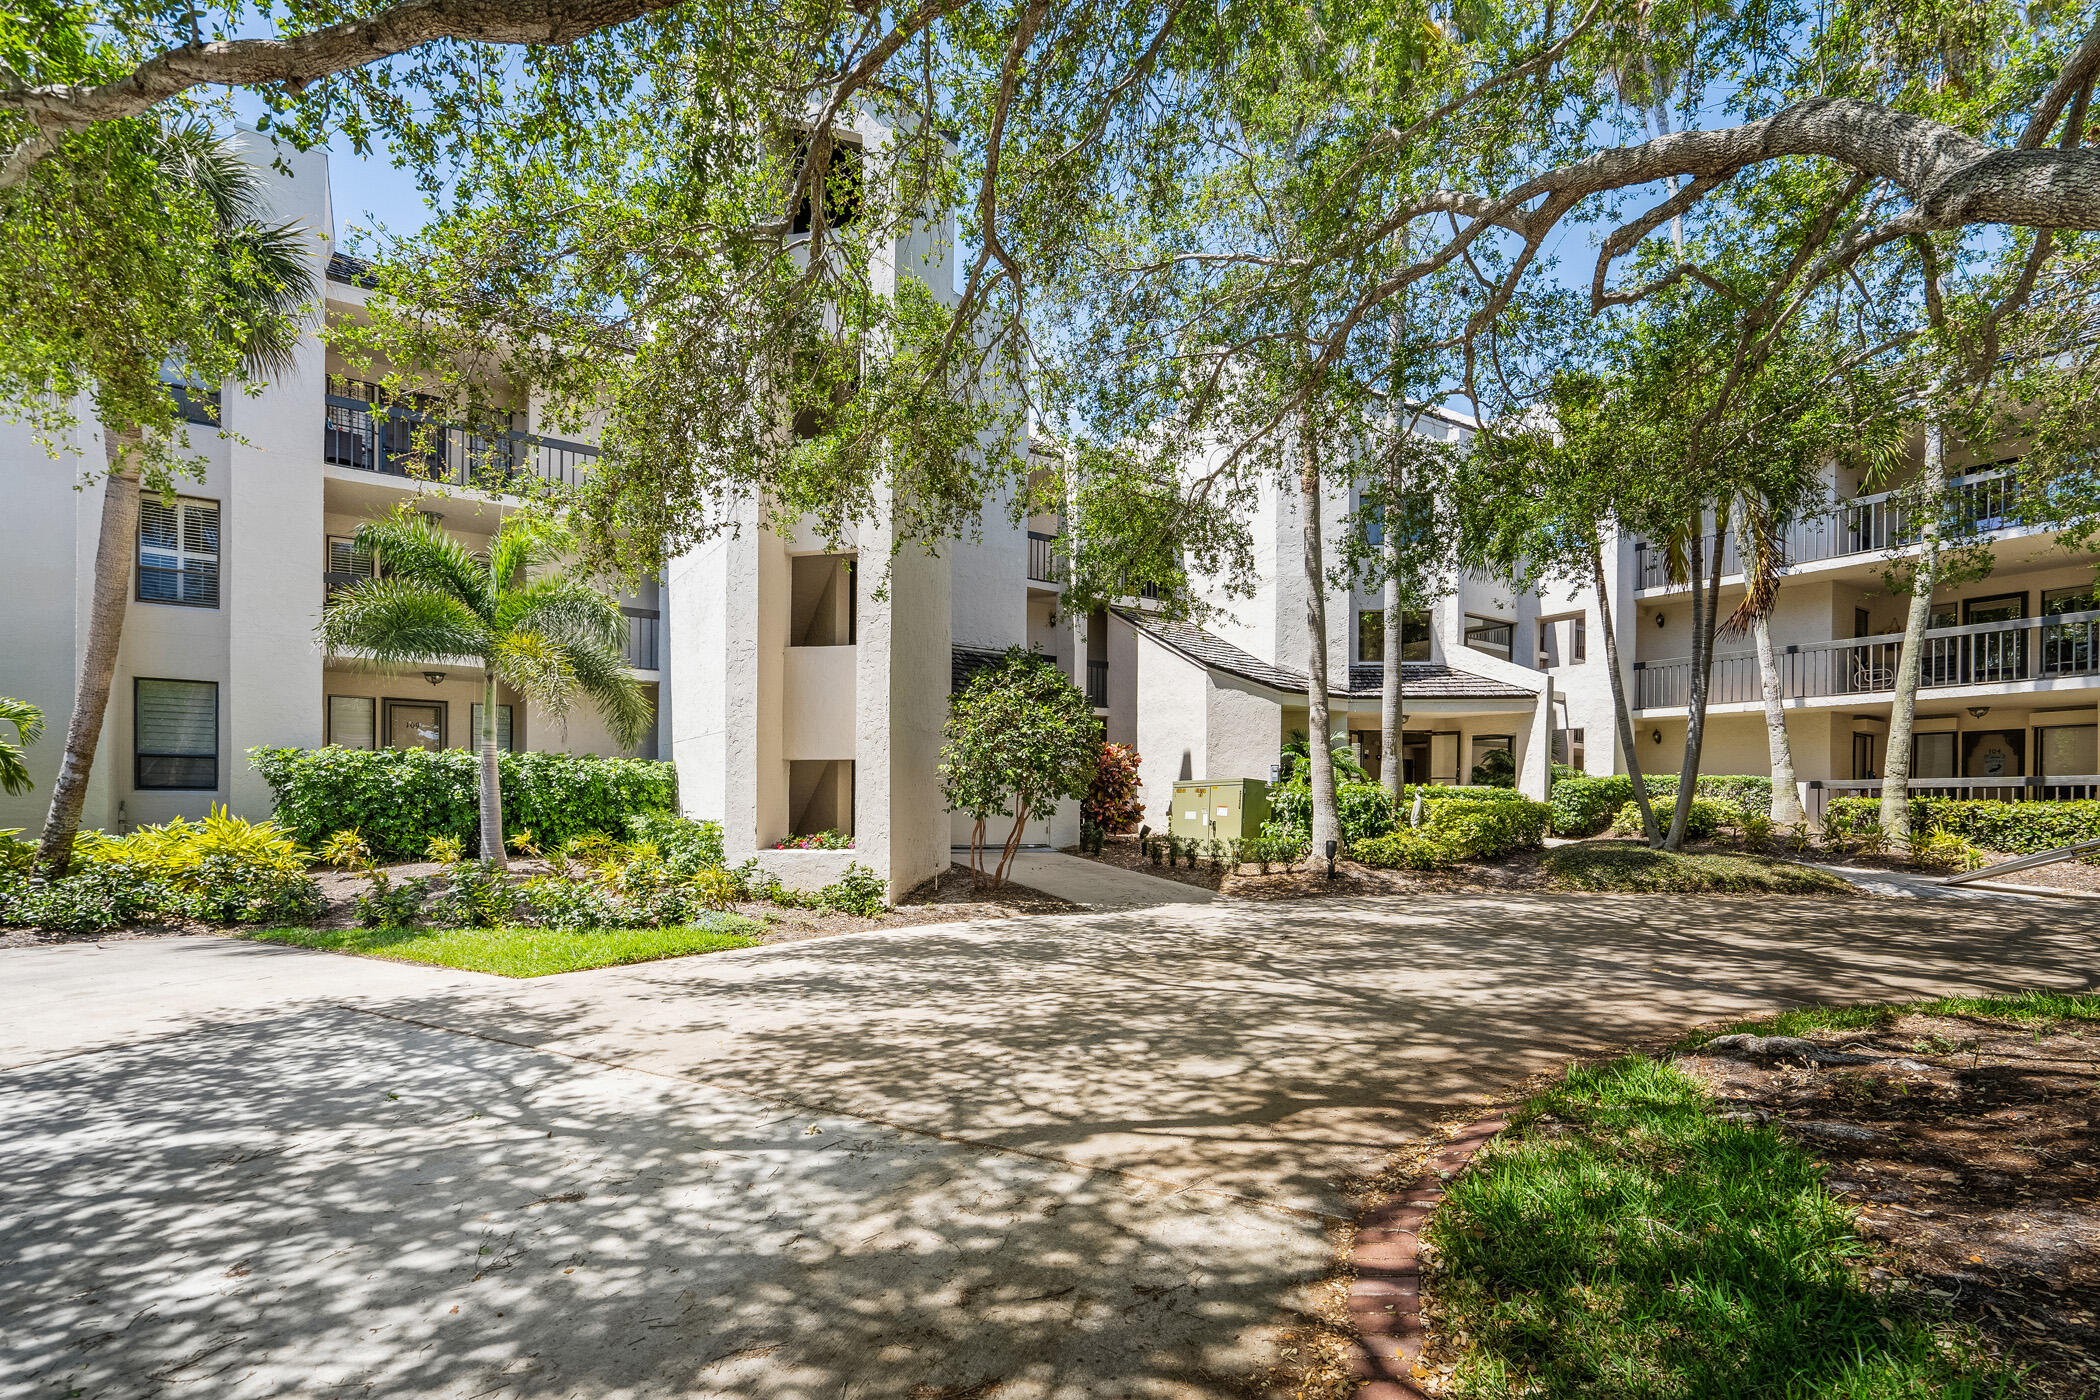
{"points": [[1661, 621], [1978, 711], [434, 677], [1656, 735]]}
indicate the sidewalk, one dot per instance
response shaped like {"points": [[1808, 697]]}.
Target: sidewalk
{"points": [[1097, 885]]}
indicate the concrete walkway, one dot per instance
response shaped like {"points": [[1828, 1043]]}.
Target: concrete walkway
{"points": [[1095, 884], [1084, 1156]]}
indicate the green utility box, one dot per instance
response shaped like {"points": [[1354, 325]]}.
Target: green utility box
{"points": [[1222, 811]]}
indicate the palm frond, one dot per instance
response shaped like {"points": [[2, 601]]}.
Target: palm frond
{"points": [[27, 719], [416, 551], [397, 621], [269, 278], [14, 772], [1762, 550], [566, 608], [538, 667], [523, 540], [617, 696]]}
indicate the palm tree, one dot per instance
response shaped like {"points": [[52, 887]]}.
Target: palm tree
{"points": [[552, 638], [265, 276], [28, 721]]}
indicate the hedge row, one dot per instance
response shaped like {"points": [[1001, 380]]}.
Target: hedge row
{"points": [[1453, 831], [1584, 806], [1366, 810], [400, 798], [2017, 828]]}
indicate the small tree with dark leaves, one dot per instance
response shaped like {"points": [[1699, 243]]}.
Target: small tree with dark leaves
{"points": [[1020, 739]]}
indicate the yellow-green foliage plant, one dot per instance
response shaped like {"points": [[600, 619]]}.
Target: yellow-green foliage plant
{"points": [[224, 868]]}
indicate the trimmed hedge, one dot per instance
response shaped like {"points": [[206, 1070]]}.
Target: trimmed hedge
{"points": [[1702, 823], [1453, 831], [1367, 810], [1584, 806], [399, 798], [2017, 828]]}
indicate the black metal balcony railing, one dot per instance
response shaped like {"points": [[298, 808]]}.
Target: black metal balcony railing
{"points": [[396, 441], [1983, 502], [2059, 647], [1046, 564], [1097, 684], [642, 630]]}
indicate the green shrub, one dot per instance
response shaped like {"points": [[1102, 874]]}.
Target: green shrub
{"points": [[687, 846], [1702, 823], [1585, 806], [95, 899], [1635, 869], [1365, 810], [1482, 830], [2017, 828], [400, 798], [476, 896], [556, 901], [1401, 850], [859, 891], [15, 853], [223, 869], [1112, 800]]}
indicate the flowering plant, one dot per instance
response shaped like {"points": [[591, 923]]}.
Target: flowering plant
{"points": [[816, 841]]}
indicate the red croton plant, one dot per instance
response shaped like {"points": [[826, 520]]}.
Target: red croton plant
{"points": [[1112, 802]]}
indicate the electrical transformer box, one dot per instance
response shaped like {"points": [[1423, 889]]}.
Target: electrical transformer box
{"points": [[1221, 811]]}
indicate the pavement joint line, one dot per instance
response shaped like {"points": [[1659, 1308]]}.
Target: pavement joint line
{"points": [[835, 1110]]}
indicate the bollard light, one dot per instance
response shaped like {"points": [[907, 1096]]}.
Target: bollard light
{"points": [[1331, 845]]}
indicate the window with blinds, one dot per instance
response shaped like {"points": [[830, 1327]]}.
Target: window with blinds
{"points": [[353, 721], [178, 551], [175, 734], [344, 558], [502, 726]]}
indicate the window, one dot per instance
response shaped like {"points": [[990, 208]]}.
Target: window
{"points": [[1863, 757], [1490, 634], [1932, 755], [352, 722], [1568, 748], [2062, 750], [195, 403], [1494, 761], [502, 726], [178, 551], [841, 184], [1370, 635], [345, 559], [1562, 642], [1581, 645], [175, 735]]}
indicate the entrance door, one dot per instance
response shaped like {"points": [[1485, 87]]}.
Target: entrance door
{"points": [[414, 726], [1994, 753], [1863, 756]]}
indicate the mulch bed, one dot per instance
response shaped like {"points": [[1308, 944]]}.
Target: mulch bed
{"points": [[1973, 1150]]}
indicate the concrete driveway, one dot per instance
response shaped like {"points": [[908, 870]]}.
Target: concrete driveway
{"points": [[1092, 1155]]}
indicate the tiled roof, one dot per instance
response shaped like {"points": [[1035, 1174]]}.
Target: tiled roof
{"points": [[1428, 680], [355, 272]]}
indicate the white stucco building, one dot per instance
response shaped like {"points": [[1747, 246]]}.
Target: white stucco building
{"points": [[219, 653]]}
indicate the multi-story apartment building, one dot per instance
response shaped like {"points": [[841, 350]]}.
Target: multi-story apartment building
{"points": [[219, 652], [2010, 674]]}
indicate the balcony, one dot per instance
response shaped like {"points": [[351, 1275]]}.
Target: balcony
{"points": [[2065, 646], [1878, 524], [394, 441], [642, 635], [1046, 564], [1097, 684]]}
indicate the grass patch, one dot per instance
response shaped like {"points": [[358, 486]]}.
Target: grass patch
{"points": [[1632, 868], [511, 951], [1622, 1242], [2038, 1009]]}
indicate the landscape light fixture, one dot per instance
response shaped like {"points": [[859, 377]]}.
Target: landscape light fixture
{"points": [[1330, 858], [1978, 711], [434, 677]]}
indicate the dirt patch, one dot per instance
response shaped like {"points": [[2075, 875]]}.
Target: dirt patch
{"points": [[1126, 853], [1972, 1148]]}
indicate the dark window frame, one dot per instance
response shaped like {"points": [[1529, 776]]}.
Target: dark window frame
{"points": [[385, 738], [139, 756], [474, 727]]}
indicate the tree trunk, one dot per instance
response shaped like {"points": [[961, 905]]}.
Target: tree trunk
{"points": [[1910, 660], [1786, 798], [1620, 710], [114, 543], [1392, 772], [1326, 822], [1705, 619], [491, 777], [1013, 839], [977, 852]]}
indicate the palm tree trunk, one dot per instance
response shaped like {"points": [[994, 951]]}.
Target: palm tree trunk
{"points": [[114, 543], [1620, 711], [1786, 798], [1910, 661], [1326, 824], [491, 776]]}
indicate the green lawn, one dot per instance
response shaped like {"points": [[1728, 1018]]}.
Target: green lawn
{"points": [[1621, 1242], [522, 952], [1634, 868], [2042, 1010]]}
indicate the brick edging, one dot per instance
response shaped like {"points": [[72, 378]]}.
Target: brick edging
{"points": [[1385, 1301]]}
